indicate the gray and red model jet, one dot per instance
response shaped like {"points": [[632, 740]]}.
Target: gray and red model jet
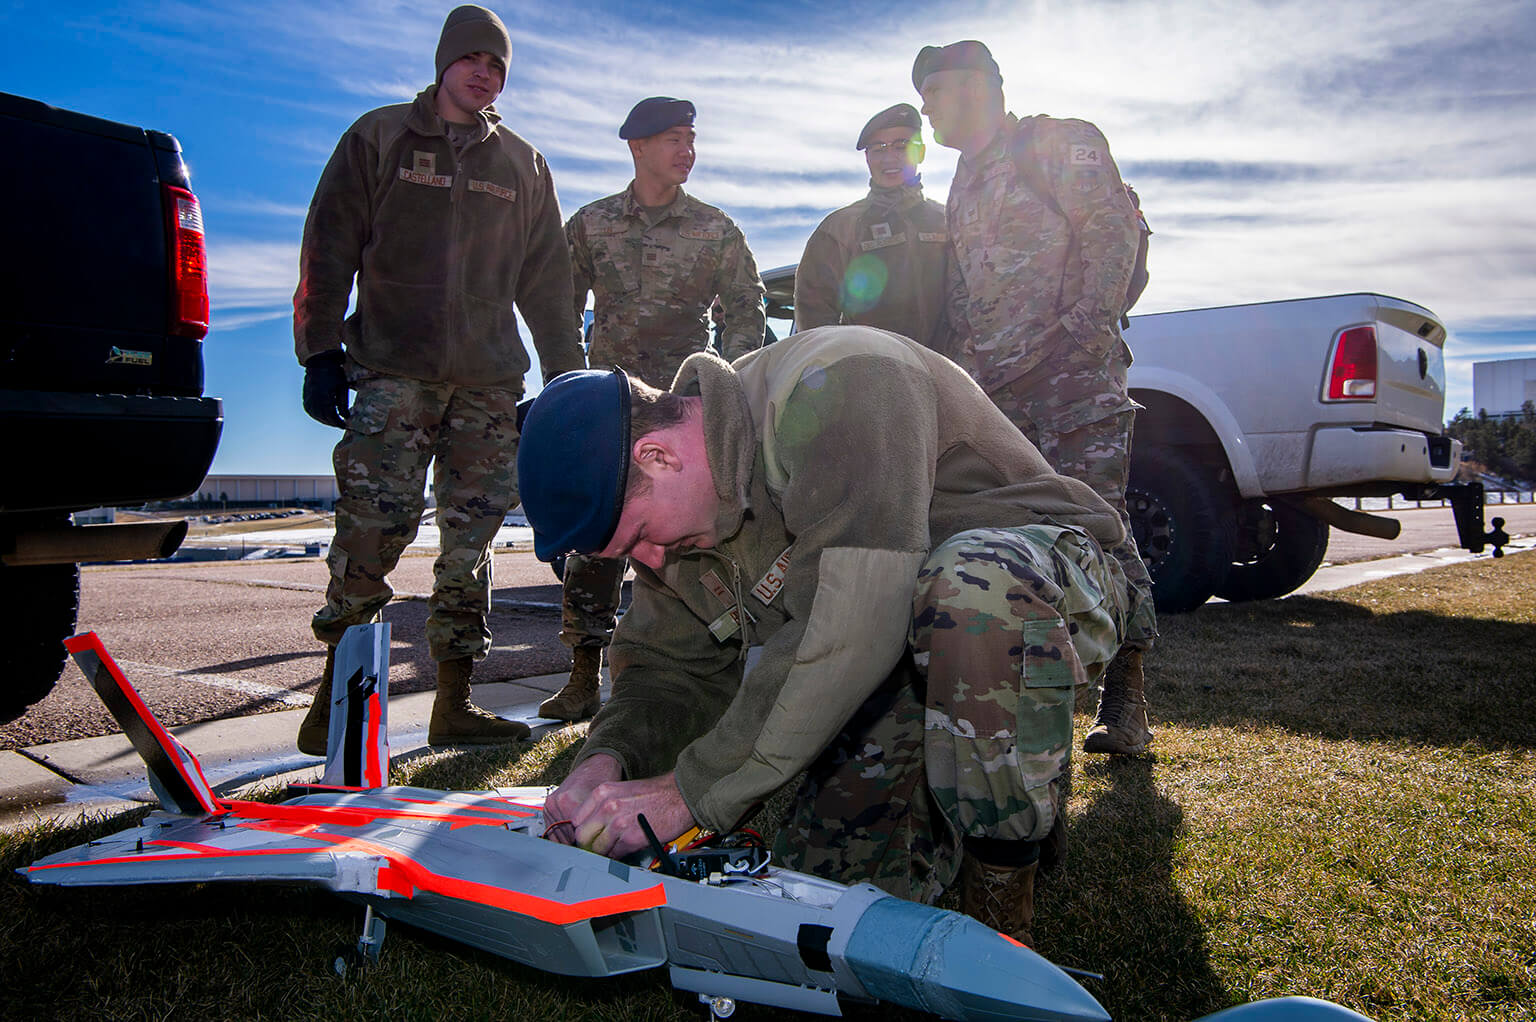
{"points": [[475, 867]]}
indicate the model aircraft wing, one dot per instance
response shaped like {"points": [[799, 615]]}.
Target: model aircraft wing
{"points": [[167, 849], [476, 848]]}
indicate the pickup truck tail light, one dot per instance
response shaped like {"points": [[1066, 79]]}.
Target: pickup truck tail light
{"points": [[189, 263], [1352, 377]]}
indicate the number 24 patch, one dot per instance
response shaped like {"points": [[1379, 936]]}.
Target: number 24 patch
{"points": [[1087, 155]]}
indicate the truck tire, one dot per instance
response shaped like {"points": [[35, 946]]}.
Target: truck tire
{"points": [[38, 607], [1184, 527], [1279, 548]]}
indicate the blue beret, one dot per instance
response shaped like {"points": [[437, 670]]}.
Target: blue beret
{"points": [[573, 461], [655, 115], [966, 55]]}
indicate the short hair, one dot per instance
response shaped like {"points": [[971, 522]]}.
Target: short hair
{"points": [[650, 409]]}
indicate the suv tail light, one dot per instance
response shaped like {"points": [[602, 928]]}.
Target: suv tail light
{"points": [[1352, 376], [189, 263]]}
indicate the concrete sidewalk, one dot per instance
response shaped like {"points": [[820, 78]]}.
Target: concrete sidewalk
{"points": [[105, 775]]}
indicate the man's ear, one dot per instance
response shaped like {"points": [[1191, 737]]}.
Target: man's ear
{"points": [[975, 84], [636, 146], [655, 455], [916, 151]]}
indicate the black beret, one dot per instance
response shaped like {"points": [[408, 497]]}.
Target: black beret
{"points": [[902, 115], [966, 55], [573, 461], [655, 115]]}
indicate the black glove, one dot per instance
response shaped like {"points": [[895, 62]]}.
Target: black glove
{"points": [[325, 389], [558, 567]]}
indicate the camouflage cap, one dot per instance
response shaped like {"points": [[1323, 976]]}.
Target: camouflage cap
{"points": [[573, 461], [902, 115], [654, 115], [472, 29], [966, 55]]}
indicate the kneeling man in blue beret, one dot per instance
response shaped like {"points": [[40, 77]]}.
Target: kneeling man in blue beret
{"points": [[926, 594]]}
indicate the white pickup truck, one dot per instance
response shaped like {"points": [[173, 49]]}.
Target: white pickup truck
{"points": [[1257, 416]]}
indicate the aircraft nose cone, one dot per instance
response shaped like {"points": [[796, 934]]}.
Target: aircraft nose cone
{"points": [[953, 966]]}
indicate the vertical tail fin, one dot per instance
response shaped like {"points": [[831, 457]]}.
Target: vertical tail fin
{"points": [[174, 773], [357, 745]]}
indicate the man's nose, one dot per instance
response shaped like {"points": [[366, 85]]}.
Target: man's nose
{"points": [[648, 554]]}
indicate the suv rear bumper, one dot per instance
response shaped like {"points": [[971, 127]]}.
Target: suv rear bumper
{"points": [[73, 451], [1345, 456]]}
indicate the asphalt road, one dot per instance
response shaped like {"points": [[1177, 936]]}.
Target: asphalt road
{"points": [[210, 640], [219, 639]]}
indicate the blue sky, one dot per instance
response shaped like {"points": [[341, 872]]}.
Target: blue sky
{"points": [[1281, 149]]}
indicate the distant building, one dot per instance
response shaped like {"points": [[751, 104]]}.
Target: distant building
{"points": [[1500, 388], [265, 491]]}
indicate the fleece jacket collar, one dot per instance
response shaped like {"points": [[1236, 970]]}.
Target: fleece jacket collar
{"points": [[730, 435], [425, 120]]}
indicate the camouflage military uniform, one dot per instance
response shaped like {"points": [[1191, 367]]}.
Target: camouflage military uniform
{"points": [[883, 523], [1036, 295], [880, 262], [1006, 623], [653, 278], [397, 426], [443, 236]]}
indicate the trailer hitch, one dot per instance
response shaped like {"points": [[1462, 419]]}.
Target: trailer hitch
{"points": [[1467, 505]]}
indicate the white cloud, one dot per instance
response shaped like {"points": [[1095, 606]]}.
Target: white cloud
{"points": [[1280, 149], [253, 276]]}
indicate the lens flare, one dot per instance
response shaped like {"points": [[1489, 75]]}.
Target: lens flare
{"points": [[864, 283]]}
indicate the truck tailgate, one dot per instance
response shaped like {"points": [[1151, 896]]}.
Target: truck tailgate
{"points": [[1410, 366]]}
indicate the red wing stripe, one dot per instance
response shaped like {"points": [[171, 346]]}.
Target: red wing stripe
{"points": [[415, 877], [515, 808], [376, 747], [356, 816]]}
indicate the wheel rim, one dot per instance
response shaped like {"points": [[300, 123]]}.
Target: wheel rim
{"points": [[1151, 526]]}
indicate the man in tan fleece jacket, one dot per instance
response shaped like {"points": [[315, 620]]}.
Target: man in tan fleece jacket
{"points": [[926, 592], [446, 218]]}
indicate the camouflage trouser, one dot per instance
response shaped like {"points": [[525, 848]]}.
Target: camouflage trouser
{"points": [[1082, 422], [971, 733], [589, 603], [396, 428]]}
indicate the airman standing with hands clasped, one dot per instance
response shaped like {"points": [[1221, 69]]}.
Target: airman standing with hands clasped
{"points": [[655, 259]]}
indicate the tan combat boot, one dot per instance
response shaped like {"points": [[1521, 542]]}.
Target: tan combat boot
{"points": [[578, 700], [1121, 723], [1000, 897], [314, 733], [457, 721]]}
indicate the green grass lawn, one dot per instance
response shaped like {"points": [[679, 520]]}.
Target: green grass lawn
{"points": [[1342, 803]]}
